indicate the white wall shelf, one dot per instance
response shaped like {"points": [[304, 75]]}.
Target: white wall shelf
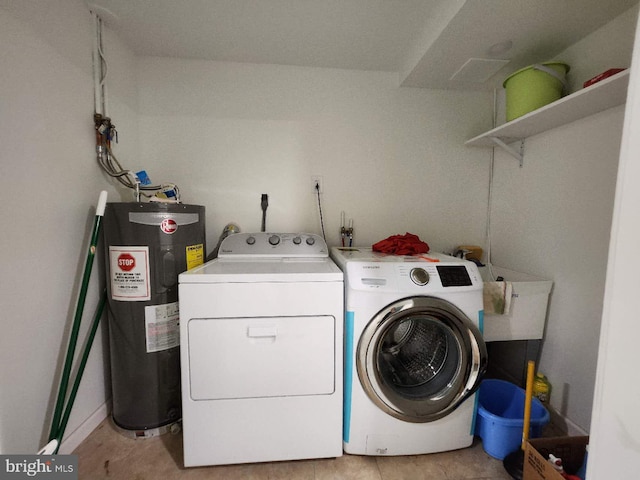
{"points": [[596, 98]]}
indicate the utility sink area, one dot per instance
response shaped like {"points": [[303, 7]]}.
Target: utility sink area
{"points": [[525, 319], [515, 337]]}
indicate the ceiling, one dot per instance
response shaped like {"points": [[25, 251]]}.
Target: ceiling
{"points": [[427, 42]]}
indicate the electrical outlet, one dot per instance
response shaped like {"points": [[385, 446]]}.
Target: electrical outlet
{"points": [[316, 183]]}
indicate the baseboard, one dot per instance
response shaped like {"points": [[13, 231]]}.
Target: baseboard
{"points": [[75, 438], [564, 425]]}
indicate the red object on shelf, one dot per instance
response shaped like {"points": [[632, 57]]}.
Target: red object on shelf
{"points": [[602, 76]]}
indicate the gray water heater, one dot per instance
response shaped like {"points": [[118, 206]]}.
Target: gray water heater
{"points": [[147, 246]]}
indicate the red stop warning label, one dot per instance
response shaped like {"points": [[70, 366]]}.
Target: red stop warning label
{"points": [[129, 272], [126, 262]]}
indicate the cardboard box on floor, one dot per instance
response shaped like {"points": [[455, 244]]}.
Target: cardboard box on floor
{"points": [[536, 457]]}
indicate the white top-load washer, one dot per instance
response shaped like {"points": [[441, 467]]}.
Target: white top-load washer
{"points": [[261, 332], [414, 353]]}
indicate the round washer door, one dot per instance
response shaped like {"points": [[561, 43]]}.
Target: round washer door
{"points": [[419, 358]]}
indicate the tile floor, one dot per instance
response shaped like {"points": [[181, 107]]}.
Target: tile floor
{"points": [[106, 454]]}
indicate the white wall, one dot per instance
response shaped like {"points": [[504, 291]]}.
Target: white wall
{"points": [[615, 434], [50, 189], [391, 158], [552, 218]]}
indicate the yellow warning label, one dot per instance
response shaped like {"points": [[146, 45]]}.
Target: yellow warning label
{"points": [[195, 255]]}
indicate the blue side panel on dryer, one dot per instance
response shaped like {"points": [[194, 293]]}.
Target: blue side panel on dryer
{"points": [[348, 375]]}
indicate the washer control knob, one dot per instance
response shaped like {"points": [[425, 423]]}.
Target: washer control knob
{"points": [[419, 276], [251, 240], [311, 241], [274, 240], [297, 240]]}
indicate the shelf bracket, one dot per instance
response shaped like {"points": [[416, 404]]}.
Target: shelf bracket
{"points": [[518, 155]]}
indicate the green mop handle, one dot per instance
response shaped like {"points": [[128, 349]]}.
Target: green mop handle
{"points": [[64, 381], [83, 363]]}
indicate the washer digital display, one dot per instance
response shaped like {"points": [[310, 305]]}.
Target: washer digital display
{"points": [[454, 276]]}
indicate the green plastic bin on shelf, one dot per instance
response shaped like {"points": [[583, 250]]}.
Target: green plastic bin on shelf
{"points": [[533, 87]]}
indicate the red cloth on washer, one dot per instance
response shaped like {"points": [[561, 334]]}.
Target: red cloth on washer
{"points": [[407, 244]]}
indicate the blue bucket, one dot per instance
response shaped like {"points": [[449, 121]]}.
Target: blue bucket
{"points": [[500, 417]]}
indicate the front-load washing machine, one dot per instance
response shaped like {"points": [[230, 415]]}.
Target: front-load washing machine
{"points": [[261, 332], [414, 353]]}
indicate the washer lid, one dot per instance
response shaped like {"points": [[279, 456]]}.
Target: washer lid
{"points": [[258, 270], [268, 257]]}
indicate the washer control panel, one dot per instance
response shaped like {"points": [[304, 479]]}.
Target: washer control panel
{"points": [[263, 244]]}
